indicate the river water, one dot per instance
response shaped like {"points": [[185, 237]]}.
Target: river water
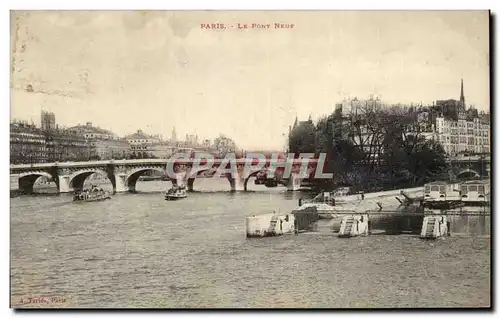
{"points": [[138, 250]]}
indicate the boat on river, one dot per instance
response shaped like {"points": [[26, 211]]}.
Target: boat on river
{"points": [[93, 194], [176, 193]]}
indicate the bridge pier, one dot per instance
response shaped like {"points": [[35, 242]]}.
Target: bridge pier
{"points": [[64, 184], [294, 182], [237, 184], [14, 182], [181, 180], [190, 184], [120, 185], [245, 184]]}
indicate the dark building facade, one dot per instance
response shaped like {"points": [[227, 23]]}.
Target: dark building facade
{"points": [[27, 144], [63, 145]]}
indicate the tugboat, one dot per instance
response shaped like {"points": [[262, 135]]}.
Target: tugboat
{"points": [[175, 193], [93, 194]]}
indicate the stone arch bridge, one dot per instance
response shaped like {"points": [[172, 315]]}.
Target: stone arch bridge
{"points": [[470, 166], [124, 174]]}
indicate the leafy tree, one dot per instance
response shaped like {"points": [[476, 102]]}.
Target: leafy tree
{"points": [[370, 147], [302, 138], [409, 157], [426, 161], [224, 145]]}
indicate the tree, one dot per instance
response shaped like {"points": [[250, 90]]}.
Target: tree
{"points": [[302, 138], [426, 161], [408, 157], [341, 153], [224, 145], [371, 147]]}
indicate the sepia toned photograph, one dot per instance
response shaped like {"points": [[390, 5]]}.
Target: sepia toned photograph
{"points": [[250, 159]]}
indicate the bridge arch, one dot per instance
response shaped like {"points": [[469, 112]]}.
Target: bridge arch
{"points": [[192, 177], [252, 174], [134, 175], [27, 180], [77, 179], [467, 173]]}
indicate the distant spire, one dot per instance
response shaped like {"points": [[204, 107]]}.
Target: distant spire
{"points": [[310, 118], [462, 97], [174, 135], [296, 122]]}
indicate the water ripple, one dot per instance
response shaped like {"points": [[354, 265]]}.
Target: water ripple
{"points": [[141, 251]]}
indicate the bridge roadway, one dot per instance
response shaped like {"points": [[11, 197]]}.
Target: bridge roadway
{"points": [[124, 174], [239, 161]]}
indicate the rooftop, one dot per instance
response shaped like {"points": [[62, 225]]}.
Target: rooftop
{"points": [[91, 129], [139, 135]]}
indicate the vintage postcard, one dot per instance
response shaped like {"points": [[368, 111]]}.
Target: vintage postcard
{"points": [[250, 159]]}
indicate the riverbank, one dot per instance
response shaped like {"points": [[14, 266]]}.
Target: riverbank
{"points": [[387, 213]]}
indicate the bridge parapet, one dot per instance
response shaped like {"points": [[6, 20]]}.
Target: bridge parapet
{"points": [[473, 158], [123, 174], [471, 166]]}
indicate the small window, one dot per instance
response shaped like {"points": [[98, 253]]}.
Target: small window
{"points": [[473, 188]]}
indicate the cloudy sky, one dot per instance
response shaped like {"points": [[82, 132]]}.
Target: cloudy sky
{"points": [[125, 71]]}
